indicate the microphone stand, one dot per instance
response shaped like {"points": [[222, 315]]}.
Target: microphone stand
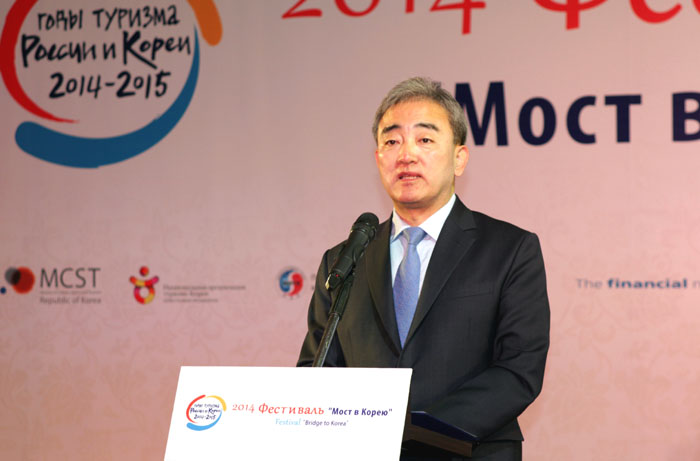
{"points": [[335, 314]]}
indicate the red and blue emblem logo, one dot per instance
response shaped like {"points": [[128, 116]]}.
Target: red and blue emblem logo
{"points": [[291, 281]]}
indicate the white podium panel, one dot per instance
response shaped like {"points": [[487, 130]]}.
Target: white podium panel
{"points": [[257, 413]]}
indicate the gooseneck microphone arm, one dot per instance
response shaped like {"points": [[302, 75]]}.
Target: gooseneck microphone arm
{"points": [[343, 271], [334, 316]]}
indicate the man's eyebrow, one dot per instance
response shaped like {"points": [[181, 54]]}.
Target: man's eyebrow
{"points": [[427, 125], [389, 128]]}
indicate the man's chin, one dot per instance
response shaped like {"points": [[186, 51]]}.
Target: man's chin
{"points": [[409, 197], [409, 204]]}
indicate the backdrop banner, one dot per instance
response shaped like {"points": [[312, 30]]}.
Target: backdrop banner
{"points": [[173, 172]]}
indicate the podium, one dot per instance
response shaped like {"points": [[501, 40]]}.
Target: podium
{"points": [[224, 413], [426, 435]]}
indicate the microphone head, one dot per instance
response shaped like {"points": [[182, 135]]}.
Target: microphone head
{"points": [[363, 232], [367, 222], [369, 218]]}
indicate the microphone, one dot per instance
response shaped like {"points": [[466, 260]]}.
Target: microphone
{"points": [[362, 233]]}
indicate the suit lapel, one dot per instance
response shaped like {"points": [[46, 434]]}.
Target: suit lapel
{"points": [[456, 237], [378, 269]]}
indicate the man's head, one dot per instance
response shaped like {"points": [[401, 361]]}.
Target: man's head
{"points": [[418, 153], [418, 88]]}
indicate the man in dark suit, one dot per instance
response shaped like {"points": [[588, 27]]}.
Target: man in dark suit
{"points": [[455, 295]]}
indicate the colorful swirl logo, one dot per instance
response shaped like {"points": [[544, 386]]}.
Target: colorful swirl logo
{"points": [[204, 412], [291, 281], [57, 147], [21, 279], [148, 284]]}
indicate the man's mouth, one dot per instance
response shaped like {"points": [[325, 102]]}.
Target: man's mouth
{"points": [[408, 176]]}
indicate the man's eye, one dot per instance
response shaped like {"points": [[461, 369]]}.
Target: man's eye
{"points": [[391, 142], [426, 140]]}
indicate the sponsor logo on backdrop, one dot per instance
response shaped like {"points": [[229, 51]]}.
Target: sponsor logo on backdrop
{"points": [[662, 284], [204, 412], [144, 284], [129, 49], [290, 282], [188, 292], [21, 279], [69, 285], [58, 285]]}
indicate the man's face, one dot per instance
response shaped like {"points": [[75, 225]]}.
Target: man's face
{"points": [[417, 157]]}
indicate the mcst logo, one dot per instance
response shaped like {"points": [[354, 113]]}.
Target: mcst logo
{"points": [[111, 64], [21, 279], [204, 412]]}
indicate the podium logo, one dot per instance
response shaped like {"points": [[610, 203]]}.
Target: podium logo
{"points": [[147, 284], [291, 281], [21, 279], [204, 412]]}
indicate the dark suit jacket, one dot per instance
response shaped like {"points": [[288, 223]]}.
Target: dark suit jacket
{"points": [[479, 338]]}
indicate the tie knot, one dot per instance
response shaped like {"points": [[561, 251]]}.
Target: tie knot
{"points": [[414, 235]]}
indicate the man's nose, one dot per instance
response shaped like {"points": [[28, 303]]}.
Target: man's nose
{"points": [[407, 153]]}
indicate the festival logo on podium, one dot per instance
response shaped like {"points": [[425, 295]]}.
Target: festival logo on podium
{"points": [[204, 412], [103, 82]]}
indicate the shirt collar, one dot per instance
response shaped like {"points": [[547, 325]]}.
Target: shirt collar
{"points": [[432, 226]]}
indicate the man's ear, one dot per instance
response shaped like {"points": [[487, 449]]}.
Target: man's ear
{"points": [[461, 159]]}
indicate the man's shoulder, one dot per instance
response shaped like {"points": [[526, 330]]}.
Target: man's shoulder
{"points": [[485, 221], [488, 225]]}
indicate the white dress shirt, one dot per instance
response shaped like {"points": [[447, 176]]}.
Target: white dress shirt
{"points": [[432, 227]]}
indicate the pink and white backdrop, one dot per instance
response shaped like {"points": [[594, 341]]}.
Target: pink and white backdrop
{"points": [[222, 146]]}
